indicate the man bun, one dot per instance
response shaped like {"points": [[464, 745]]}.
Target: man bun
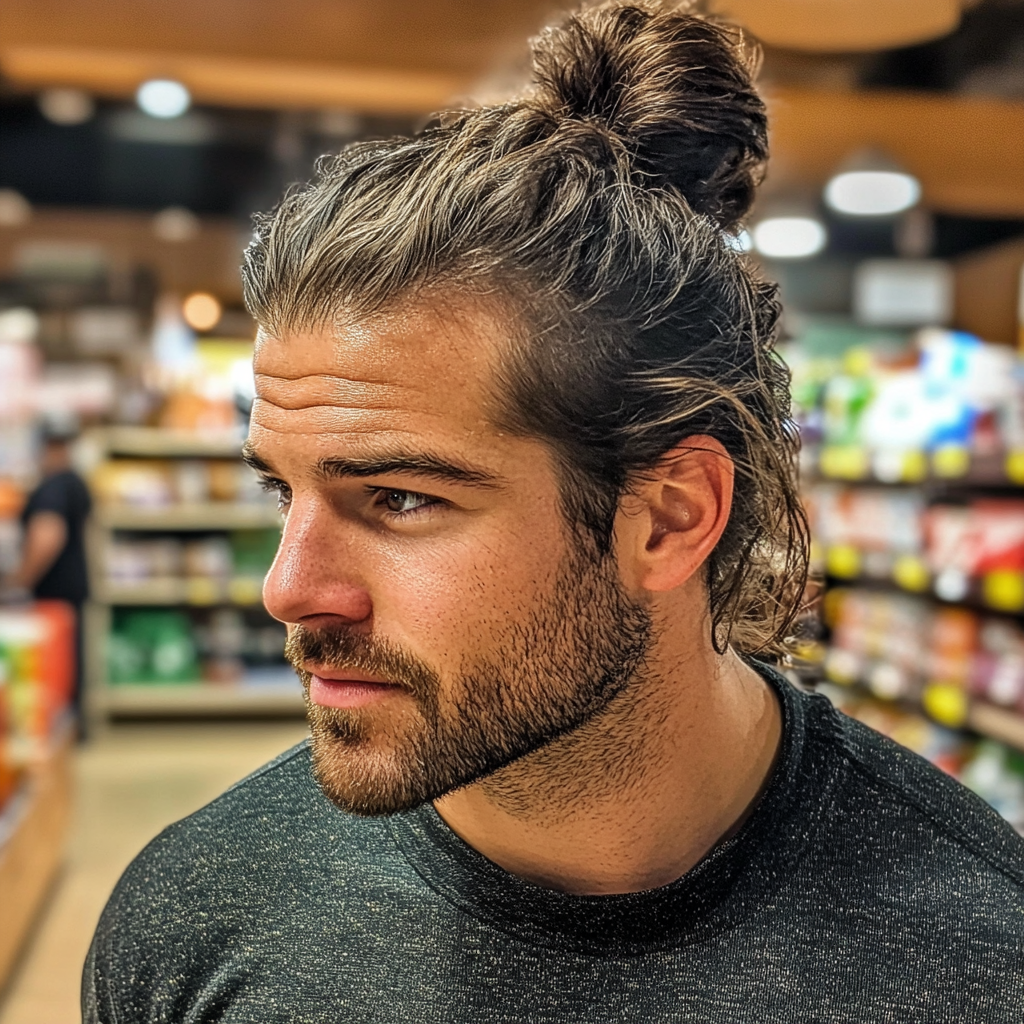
{"points": [[677, 91]]}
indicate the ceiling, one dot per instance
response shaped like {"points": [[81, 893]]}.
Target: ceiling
{"points": [[410, 57]]}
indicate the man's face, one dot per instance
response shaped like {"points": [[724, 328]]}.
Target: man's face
{"points": [[442, 619]]}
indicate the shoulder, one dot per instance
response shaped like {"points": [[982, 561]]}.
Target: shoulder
{"points": [[901, 820], [59, 492], [264, 838]]}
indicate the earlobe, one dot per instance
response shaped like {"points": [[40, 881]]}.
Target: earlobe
{"points": [[686, 500]]}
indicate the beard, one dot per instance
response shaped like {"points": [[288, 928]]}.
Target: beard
{"points": [[541, 675]]}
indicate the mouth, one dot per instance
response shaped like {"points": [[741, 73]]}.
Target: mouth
{"points": [[348, 688]]}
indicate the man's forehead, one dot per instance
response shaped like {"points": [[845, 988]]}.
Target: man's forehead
{"points": [[407, 346]]}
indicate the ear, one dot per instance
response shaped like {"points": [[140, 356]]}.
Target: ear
{"points": [[671, 521]]}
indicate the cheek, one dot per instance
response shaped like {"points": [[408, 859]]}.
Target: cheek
{"points": [[443, 600]]}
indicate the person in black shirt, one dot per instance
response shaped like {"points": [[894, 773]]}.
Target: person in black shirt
{"points": [[517, 395], [53, 563]]}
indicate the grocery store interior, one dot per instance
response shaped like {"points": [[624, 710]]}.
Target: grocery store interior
{"points": [[136, 141]]}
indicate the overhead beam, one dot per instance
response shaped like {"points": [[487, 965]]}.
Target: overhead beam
{"points": [[843, 26], [967, 152], [232, 81]]}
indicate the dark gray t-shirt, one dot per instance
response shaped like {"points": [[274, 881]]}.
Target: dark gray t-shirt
{"points": [[866, 887]]}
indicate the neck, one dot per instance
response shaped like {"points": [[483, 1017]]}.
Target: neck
{"points": [[637, 796]]}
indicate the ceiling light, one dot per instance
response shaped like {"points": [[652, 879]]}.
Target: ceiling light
{"points": [[740, 242], [66, 106], [176, 224], [15, 209], [789, 237], [201, 311], [163, 97], [872, 193]]}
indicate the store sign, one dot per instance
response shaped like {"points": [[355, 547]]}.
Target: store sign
{"points": [[903, 293]]}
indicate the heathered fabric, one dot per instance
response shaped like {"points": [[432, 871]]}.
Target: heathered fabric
{"points": [[866, 887]]}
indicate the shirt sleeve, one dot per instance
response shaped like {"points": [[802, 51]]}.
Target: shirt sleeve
{"points": [[51, 495]]}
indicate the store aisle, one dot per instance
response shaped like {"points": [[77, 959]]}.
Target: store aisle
{"points": [[129, 784]]}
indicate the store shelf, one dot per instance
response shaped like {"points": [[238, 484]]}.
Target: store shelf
{"points": [[997, 723], [948, 466], [209, 515], [999, 592], [199, 591], [32, 832], [213, 699], [153, 442]]}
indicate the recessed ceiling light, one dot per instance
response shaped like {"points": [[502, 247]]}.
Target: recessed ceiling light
{"points": [[872, 193], [66, 106], [201, 311], [163, 97], [789, 237]]}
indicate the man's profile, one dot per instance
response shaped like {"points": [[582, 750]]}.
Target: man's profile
{"points": [[517, 395]]}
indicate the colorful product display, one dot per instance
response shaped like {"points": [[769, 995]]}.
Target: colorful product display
{"points": [[876, 411], [969, 550], [37, 650]]}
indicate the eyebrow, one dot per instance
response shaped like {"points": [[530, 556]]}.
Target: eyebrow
{"points": [[423, 464]]}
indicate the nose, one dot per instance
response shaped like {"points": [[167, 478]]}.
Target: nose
{"points": [[313, 575]]}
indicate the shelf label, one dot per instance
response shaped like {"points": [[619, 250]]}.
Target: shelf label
{"points": [[245, 589], [844, 462], [1003, 590], [945, 703], [910, 573], [1015, 467], [843, 561], [951, 461], [201, 590]]}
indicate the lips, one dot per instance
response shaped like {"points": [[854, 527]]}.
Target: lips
{"points": [[348, 688]]}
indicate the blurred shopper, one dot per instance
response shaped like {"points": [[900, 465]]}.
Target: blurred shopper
{"points": [[53, 564], [517, 395]]}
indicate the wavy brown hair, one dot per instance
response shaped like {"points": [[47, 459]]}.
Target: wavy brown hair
{"points": [[597, 209]]}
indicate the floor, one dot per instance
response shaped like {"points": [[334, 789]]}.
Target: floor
{"points": [[130, 783]]}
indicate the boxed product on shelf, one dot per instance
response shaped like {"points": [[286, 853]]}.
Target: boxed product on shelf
{"points": [[972, 548], [158, 483], [37, 652], [898, 644], [173, 646], [940, 404], [241, 555]]}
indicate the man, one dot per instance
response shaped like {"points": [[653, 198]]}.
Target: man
{"points": [[517, 397], [53, 564]]}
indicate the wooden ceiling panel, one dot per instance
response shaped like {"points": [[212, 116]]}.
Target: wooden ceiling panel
{"points": [[458, 37]]}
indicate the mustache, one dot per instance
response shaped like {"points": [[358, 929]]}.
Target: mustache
{"points": [[342, 649]]}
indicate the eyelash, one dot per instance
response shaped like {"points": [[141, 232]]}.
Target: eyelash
{"points": [[280, 488], [381, 494]]}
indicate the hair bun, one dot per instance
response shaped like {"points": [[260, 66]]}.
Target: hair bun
{"points": [[676, 88]]}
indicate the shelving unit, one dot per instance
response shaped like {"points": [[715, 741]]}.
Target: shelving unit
{"points": [[949, 474], [33, 826], [270, 691]]}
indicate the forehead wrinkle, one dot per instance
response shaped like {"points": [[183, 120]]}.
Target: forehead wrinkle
{"points": [[326, 390]]}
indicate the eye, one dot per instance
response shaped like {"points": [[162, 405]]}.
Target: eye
{"points": [[404, 502], [279, 488]]}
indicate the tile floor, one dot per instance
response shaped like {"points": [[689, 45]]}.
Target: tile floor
{"points": [[130, 783]]}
